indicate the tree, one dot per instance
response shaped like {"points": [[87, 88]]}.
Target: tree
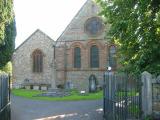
{"points": [[135, 28], [7, 31]]}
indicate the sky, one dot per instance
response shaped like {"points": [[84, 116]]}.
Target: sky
{"points": [[50, 16]]}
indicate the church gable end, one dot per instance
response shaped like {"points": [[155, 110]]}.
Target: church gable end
{"points": [[32, 61], [81, 50], [77, 29]]}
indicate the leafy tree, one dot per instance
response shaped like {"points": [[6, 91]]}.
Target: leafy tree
{"points": [[135, 28], [7, 31], [7, 68]]}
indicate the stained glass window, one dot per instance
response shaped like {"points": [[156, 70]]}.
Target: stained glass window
{"points": [[77, 57], [112, 57], [94, 26], [94, 56], [37, 61]]}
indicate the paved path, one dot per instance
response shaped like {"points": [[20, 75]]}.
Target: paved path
{"points": [[26, 109]]}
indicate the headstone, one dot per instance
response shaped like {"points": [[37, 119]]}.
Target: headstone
{"points": [[28, 87], [44, 88], [92, 83], [69, 85], [35, 87]]}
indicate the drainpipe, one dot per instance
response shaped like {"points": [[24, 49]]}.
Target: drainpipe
{"points": [[65, 63], [53, 73]]}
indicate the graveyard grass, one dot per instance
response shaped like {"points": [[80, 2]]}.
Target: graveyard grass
{"points": [[75, 96]]}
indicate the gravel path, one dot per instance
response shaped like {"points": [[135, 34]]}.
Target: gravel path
{"points": [[26, 109]]}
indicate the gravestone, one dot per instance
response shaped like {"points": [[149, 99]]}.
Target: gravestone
{"points": [[43, 87], [69, 85], [28, 87], [35, 87], [92, 83]]}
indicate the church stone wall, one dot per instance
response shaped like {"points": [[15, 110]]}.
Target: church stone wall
{"points": [[80, 76], [75, 36], [80, 79], [22, 60], [75, 30]]}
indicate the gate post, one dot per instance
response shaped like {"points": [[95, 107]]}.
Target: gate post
{"points": [[146, 79]]}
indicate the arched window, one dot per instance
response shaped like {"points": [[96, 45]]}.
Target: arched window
{"points": [[77, 57], [112, 57], [37, 61], [94, 56]]}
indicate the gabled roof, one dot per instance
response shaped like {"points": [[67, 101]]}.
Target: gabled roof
{"points": [[38, 30], [72, 19], [76, 19]]}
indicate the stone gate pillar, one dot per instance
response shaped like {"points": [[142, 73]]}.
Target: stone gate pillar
{"points": [[146, 93]]}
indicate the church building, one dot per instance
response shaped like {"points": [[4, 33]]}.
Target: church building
{"points": [[77, 59]]}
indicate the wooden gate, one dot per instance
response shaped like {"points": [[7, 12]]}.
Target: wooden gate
{"points": [[122, 97]]}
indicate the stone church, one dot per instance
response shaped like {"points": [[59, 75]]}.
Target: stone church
{"points": [[77, 59]]}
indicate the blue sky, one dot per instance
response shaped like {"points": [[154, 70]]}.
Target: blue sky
{"points": [[51, 16]]}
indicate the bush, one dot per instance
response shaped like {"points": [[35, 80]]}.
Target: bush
{"points": [[60, 86], [8, 68]]}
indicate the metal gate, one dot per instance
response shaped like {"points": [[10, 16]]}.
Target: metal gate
{"points": [[5, 113], [122, 97]]}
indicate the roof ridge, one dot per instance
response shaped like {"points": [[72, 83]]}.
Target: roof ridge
{"points": [[72, 20], [37, 30]]}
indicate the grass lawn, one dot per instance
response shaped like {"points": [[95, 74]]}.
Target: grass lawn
{"points": [[75, 96], [129, 94]]}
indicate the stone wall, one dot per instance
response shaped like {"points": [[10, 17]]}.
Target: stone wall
{"points": [[80, 79], [75, 30], [80, 76], [150, 95], [23, 63], [75, 36]]}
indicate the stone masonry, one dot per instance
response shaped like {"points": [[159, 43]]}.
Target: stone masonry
{"points": [[61, 70], [23, 63], [75, 36]]}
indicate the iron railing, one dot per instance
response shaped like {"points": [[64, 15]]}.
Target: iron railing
{"points": [[5, 111], [122, 97]]}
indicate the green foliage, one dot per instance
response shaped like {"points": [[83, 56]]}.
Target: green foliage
{"points": [[6, 16], [7, 31], [149, 117], [134, 109], [135, 28], [8, 68], [129, 94]]}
